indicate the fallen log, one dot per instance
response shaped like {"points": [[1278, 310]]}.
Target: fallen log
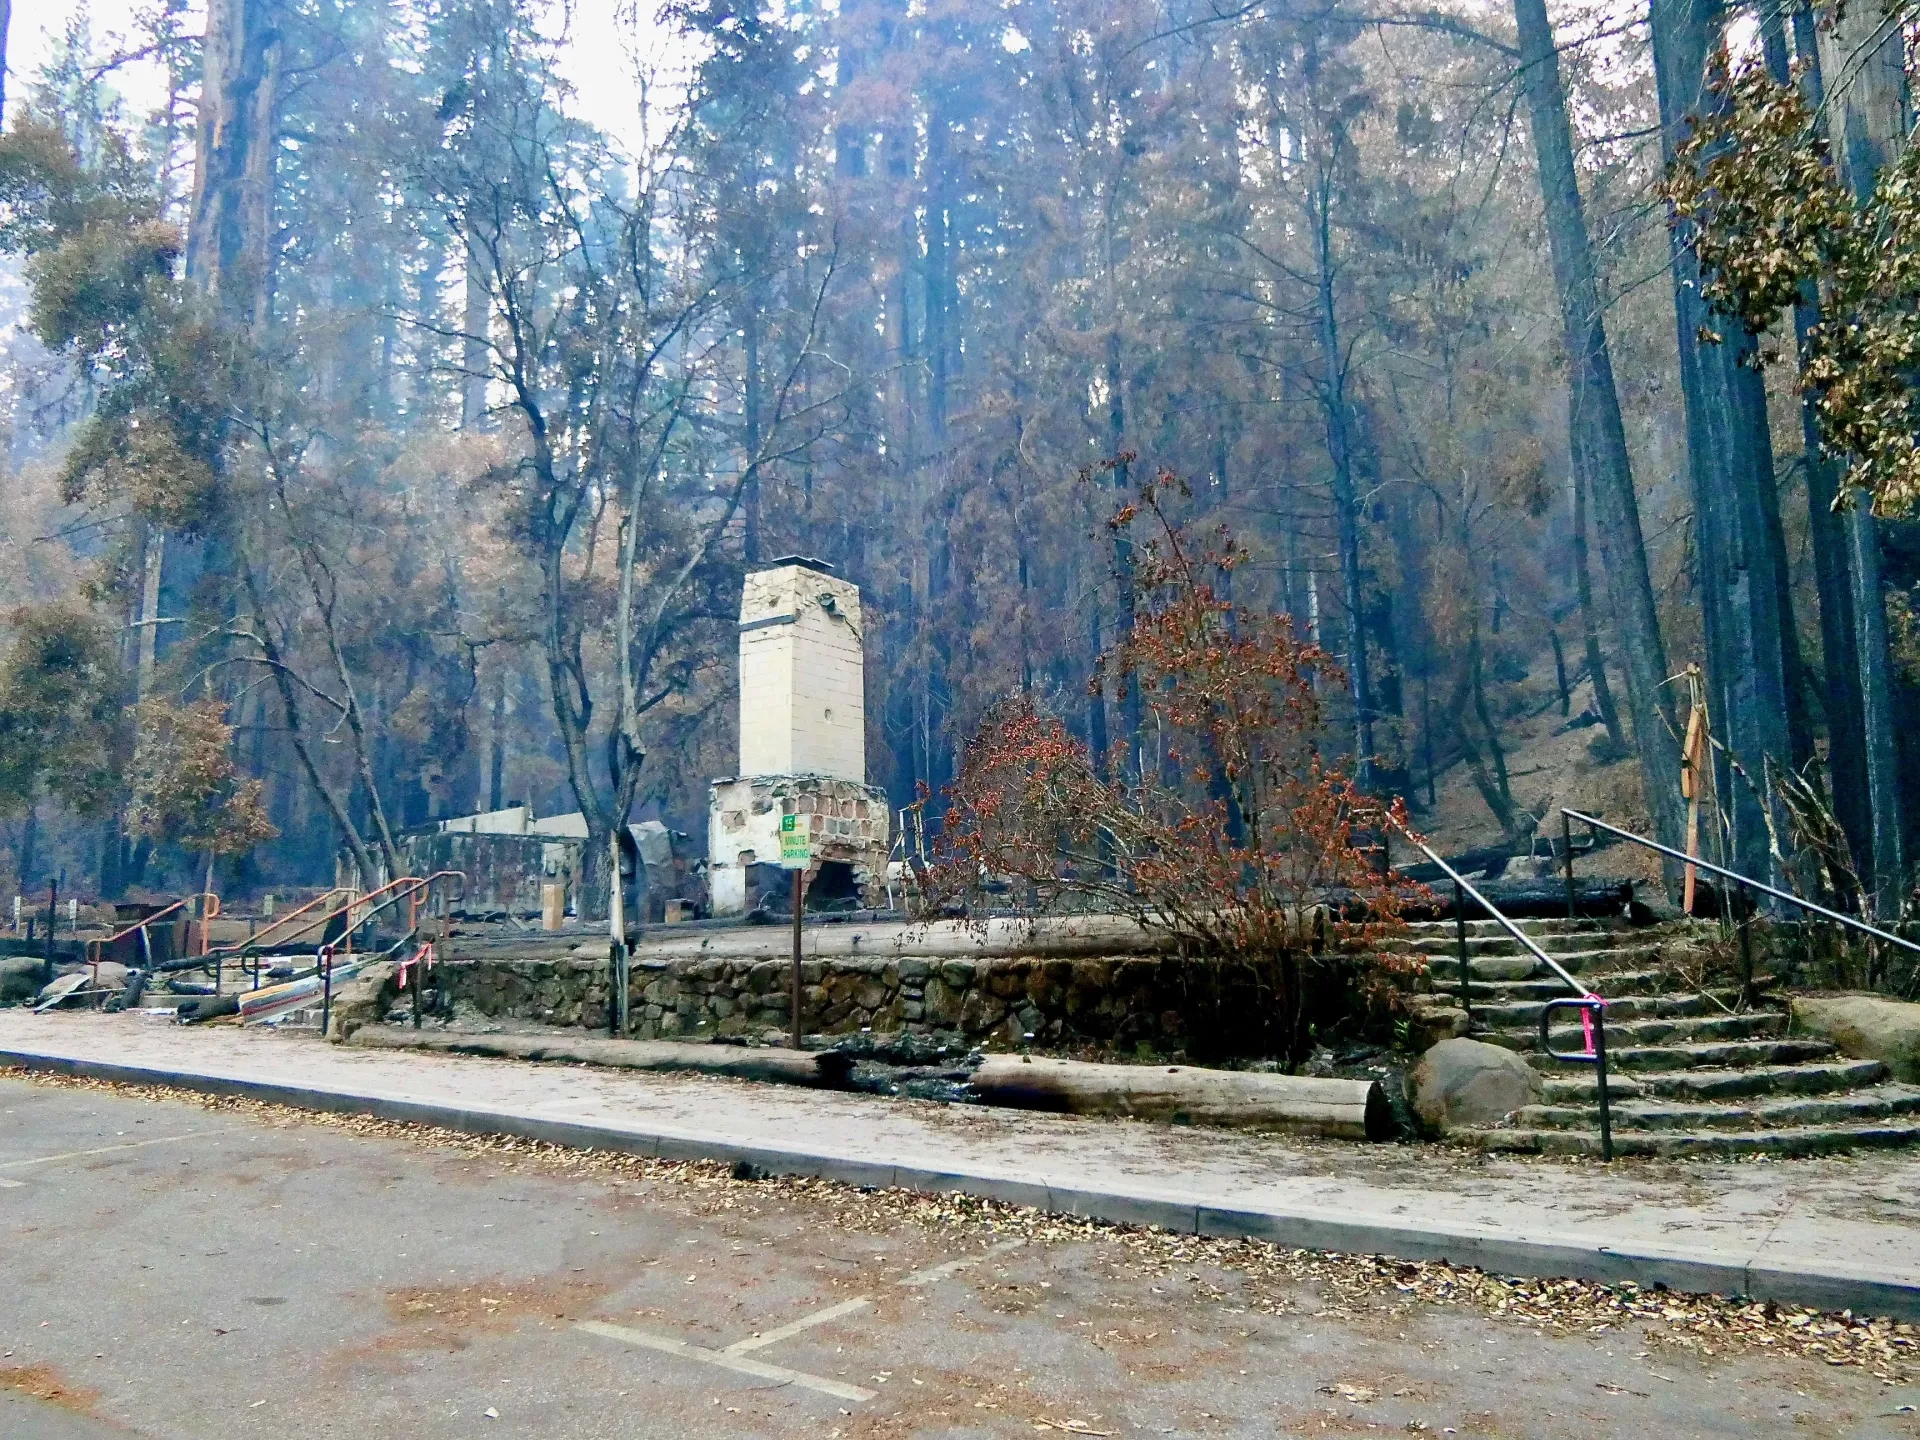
{"points": [[818, 1069], [1527, 900], [210, 1007], [1342, 1109]]}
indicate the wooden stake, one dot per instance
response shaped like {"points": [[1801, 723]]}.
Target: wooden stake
{"points": [[1693, 752]]}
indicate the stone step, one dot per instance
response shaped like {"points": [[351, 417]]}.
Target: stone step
{"points": [[1492, 969], [1488, 947], [1540, 925], [1502, 992], [1802, 1140], [1663, 1031], [1525, 1014], [1718, 1054], [1560, 925], [1577, 1086], [1851, 1107]]}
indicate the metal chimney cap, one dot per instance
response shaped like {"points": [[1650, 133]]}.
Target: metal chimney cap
{"points": [[805, 562]]}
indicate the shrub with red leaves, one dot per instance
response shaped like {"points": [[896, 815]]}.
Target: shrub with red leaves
{"points": [[1244, 845]]}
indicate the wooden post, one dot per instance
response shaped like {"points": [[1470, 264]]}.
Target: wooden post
{"points": [[799, 899], [1693, 754]]}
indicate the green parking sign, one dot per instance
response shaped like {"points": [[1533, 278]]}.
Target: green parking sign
{"points": [[795, 844]]}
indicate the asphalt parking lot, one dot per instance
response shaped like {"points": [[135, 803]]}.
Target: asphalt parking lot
{"points": [[176, 1269]]}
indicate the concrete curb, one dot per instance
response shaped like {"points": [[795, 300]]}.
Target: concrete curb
{"points": [[1504, 1253]]}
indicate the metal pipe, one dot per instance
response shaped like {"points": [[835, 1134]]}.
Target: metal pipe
{"points": [[1594, 1021], [1466, 970], [1750, 883], [799, 898], [1600, 1074]]}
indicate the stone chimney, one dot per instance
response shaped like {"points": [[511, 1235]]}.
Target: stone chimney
{"points": [[802, 674], [803, 748]]}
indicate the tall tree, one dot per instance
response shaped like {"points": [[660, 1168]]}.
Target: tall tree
{"points": [[232, 204], [1827, 530], [1596, 433], [1862, 61], [1730, 459]]}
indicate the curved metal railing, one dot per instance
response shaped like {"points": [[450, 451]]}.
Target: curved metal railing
{"points": [[256, 941], [209, 910]]}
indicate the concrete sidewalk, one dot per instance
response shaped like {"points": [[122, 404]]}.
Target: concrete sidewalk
{"points": [[1838, 1233]]}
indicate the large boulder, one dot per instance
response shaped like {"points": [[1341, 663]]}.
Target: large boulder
{"points": [[1866, 1027], [21, 977], [1462, 1083]]}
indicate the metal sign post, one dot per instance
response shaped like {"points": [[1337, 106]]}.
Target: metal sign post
{"points": [[618, 970], [796, 850]]}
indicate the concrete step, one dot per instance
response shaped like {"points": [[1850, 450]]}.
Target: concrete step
{"points": [[1718, 1054], [1664, 1030], [1536, 927], [1850, 1107], [1802, 1140], [1446, 981], [1543, 926], [1525, 1014], [1572, 1086], [1584, 1089], [1494, 968], [1488, 947]]}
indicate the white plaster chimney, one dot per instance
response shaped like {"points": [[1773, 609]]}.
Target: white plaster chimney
{"points": [[802, 673]]}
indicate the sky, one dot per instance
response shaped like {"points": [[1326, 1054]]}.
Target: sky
{"points": [[597, 55]]}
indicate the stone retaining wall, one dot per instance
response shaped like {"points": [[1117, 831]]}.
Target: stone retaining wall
{"points": [[1165, 1003]]}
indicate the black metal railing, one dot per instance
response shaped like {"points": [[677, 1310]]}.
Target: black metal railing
{"points": [[1595, 824], [1592, 1008]]}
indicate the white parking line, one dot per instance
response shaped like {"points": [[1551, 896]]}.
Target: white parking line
{"points": [[934, 1273], [108, 1149], [726, 1360], [12, 1184], [734, 1356], [805, 1322]]}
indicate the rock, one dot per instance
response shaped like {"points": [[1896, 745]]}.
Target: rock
{"points": [[110, 975], [1866, 1027], [21, 977], [1462, 1083], [364, 1000], [1431, 1020]]}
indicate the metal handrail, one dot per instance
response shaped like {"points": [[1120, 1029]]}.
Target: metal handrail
{"points": [[96, 947], [158, 915], [254, 941], [426, 888], [1590, 1004], [1738, 878]]}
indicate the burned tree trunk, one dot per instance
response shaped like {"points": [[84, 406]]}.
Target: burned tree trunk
{"points": [[1730, 458], [232, 202], [1862, 59], [1595, 430]]}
